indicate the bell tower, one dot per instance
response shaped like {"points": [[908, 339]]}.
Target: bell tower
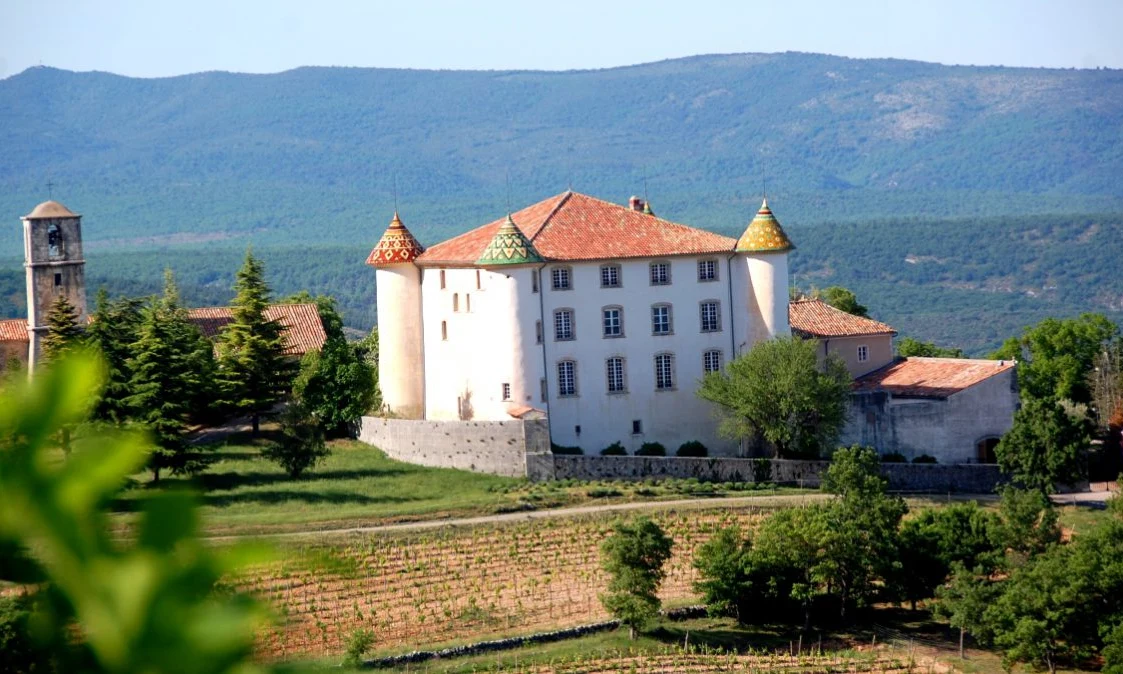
{"points": [[52, 252]]}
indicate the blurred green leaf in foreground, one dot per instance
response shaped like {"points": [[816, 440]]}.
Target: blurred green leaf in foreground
{"points": [[98, 604]]}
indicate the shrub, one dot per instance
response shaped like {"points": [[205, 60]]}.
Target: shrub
{"points": [[358, 644], [603, 492], [894, 457], [692, 448], [562, 449], [925, 458], [762, 470], [301, 445], [615, 449], [651, 449]]}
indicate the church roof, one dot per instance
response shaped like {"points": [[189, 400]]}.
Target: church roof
{"points": [[764, 234], [509, 247], [931, 377], [816, 318], [13, 330], [303, 330], [574, 227], [397, 245], [50, 209]]}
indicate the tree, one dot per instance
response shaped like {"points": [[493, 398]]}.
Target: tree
{"points": [[1056, 355], [843, 299], [1045, 446], [302, 442], [855, 473], [336, 384], [253, 372], [937, 540], [114, 328], [907, 347], [63, 331], [170, 370], [778, 391], [1029, 522], [723, 564], [634, 556], [964, 602]]}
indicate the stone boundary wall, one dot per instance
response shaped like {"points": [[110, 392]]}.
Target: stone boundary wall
{"points": [[496, 447], [972, 478]]}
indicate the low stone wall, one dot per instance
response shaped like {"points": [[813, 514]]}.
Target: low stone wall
{"points": [[496, 447], [968, 478]]}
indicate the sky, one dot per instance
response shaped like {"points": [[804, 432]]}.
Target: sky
{"points": [[158, 38]]}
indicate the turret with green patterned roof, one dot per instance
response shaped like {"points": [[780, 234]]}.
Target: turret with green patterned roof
{"points": [[509, 246], [764, 234]]}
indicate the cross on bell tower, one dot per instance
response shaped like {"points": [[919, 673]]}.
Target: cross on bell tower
{"points": [[52, 246]]}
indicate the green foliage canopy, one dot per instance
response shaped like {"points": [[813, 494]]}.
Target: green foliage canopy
{"points": [[1045, 445], [1056, 355], [634, 555]]}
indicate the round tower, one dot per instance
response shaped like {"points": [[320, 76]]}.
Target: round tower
{"points": [[52, 248], [401, 361], [511, 254], [762, 253]]}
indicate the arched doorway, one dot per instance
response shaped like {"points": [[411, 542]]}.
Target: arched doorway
{"points": [[984, 450]]}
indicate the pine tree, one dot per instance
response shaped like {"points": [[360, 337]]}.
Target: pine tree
{"points": [[63, 330], [253, 371], [168, 378], [114, 327]]}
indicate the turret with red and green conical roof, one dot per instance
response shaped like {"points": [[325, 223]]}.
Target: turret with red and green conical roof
{"points": [[509, 246], [397, 246]]}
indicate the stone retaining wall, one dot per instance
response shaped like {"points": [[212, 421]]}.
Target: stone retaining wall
{"points": [[496, 447], [971, 478]]}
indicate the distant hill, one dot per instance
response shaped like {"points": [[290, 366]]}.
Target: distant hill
{"points": [[165, 169]]}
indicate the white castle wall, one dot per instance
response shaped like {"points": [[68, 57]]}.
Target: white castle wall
{"points": [[401, 357]]}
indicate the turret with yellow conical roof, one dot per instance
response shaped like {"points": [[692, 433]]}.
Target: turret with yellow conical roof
{"points": [[761, 278]]}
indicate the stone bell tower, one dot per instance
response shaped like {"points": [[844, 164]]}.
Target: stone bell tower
{"points": [[52, 252]]}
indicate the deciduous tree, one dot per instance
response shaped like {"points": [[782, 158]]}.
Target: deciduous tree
{"points": [[779, 392], [723, 564], [843, 299], [1044, 446], [1055, 356], [907, 346], [301, 445], [634, 556]]}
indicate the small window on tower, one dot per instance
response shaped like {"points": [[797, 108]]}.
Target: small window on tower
{"points": [[478, 286], [506, 391], [456, 301], [444, 331], [58, 280], [467, 302], [534, 281], [442, 279], [54, 241]]}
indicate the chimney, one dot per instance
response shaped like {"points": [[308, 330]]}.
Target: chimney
{"points": [[636, 204]]}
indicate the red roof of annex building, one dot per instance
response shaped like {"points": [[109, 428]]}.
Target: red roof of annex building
{"points": [[13, 330], [816, 318], [304, 332], [574, 227], [931, 377]]}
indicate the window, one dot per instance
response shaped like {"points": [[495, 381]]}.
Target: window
{"points": [[863, 353], [711, 361], [563, 325], [442, 279], [542, 389], [613, 321], [562, 278], [707, 270], [538, 332], [478, 280], [614, 373], [54, 241], [637, 427], [456, 301], [610, 276], [661, 319], [534, 281], [711, 316], [567, 378], [660, 273], [444, 331], [664, 372], [506, 391], [58, 280], [467, 302]]}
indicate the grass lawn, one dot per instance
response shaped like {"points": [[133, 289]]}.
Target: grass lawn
{"points": [[357, 485]]}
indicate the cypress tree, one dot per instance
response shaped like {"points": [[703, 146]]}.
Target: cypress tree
{"points": [[114, 327], [63, 330], [168, 377], [252, 369]]}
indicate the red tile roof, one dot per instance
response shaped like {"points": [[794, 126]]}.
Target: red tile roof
{"points": [[575, 227], [816, 318], [304, 331], [397, 246], [931, 377], [13, 330]]}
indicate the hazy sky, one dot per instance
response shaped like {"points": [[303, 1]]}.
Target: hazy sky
{"points": [[152, 38]]}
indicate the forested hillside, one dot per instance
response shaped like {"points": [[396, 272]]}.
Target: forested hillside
{"points": [[942, 194]]}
